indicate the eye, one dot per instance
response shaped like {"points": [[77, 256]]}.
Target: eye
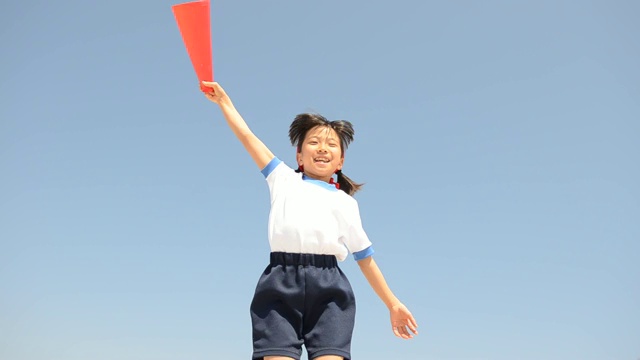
{"points": [[313, 142]]}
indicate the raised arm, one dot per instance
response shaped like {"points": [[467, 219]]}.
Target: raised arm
{"points": [[401, 319], [259, 152]]}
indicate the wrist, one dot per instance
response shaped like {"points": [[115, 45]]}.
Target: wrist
{"points": [[225, 103], [393, 304]]}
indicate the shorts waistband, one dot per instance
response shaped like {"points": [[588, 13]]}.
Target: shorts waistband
{"points": [[318, 260]]}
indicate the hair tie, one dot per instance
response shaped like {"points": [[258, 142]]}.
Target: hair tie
{"points": [[337, 185]]}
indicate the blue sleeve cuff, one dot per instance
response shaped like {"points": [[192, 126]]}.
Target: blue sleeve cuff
{"points": [[363, 254], [270, 166]]}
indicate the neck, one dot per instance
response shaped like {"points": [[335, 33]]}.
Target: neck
{"points": [[314, 177]]}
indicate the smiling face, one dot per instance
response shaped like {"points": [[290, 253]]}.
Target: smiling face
{"points": [[320, 153]]}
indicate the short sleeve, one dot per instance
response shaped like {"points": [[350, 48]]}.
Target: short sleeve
{"points": [[353, 235], [276, 172], [270, 166]]}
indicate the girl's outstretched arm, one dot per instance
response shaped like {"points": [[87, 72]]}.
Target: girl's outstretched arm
{"points": [[401, 319], [256, 148]]}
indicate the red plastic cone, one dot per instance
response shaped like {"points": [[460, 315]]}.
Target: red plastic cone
{"points": [[194, 22]]}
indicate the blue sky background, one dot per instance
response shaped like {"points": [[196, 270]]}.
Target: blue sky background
{"points": [[498, 141]]}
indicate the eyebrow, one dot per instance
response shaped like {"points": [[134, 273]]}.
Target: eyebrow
{"points": [[316, 137]]}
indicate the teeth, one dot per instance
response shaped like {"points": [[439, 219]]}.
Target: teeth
{"points": [[321, 159]]}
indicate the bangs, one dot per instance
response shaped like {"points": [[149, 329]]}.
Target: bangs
{"points": [[303, 123]]}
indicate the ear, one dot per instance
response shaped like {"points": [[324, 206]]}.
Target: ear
{"points": [[298, 158], [340, 164]]}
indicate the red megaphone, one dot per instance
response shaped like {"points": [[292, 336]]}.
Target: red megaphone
{"points": [[194, 22]]}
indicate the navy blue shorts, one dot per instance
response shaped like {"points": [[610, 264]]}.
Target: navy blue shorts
{"points": [[302, 299]]}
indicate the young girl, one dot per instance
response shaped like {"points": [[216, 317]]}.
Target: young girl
{"points": [[303, 298]]}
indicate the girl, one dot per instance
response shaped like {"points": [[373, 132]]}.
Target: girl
{"points": [[303, 298]]}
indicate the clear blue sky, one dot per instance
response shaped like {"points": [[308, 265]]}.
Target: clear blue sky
{"points": [[498, 141]]}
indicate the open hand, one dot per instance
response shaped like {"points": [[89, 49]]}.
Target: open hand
{"points": [[402, 321], [217, 95]]}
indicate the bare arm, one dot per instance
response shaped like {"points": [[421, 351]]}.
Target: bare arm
{"points": [[259, 152], [401, 317]]}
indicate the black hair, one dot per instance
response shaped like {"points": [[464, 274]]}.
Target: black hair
{"points": [[305, 122]]}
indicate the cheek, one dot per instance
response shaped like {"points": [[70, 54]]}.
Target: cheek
{"points": [[304, 153]]}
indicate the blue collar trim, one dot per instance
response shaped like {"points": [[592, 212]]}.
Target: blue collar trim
{"points": [[321, 183]]}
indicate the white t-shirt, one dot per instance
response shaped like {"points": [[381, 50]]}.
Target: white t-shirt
{"points": [[312, 216]]}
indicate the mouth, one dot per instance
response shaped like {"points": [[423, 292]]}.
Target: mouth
{"points": [[322, 160]]}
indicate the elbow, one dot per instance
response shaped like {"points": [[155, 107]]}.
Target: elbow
{"points": [[245, 135]]}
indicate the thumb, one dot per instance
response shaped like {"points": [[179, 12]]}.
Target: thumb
{"points": [[217, 89]]}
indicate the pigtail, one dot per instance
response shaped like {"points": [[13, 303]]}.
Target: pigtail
{"points": [[346, 184]]}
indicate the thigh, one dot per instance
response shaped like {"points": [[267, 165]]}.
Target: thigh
{"points": [[329, 314], [276, 314]]}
